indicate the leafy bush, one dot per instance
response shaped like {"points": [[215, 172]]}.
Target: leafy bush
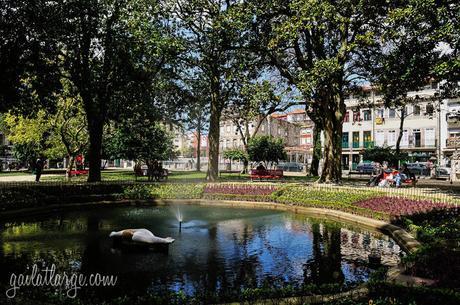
{"points": [[164, 191], [241, 189]]}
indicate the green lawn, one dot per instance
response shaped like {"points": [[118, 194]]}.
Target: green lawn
{"points": [[14, 173], [174, 176]]}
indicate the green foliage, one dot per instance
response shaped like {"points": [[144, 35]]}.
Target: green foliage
{"points": [[266, 149], [439, 231], [58, 134], [164, 191], [235, 155], [420, 295], [142, 140], [381, 154], [336, 199]]}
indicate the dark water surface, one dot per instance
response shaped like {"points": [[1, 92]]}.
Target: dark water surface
{"points": [[218, 249]]}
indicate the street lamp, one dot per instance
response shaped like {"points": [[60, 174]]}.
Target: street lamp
{"points": [[439, 97]]}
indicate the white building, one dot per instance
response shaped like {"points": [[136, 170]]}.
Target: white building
{"points": [[424, 130]]}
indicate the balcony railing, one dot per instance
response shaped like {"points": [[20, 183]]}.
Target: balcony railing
{"points": [[453, 143], [345, 145], [355, 144], [368, 144]]}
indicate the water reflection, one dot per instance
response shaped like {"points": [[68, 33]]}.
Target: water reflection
{"points": [[219, 249]]}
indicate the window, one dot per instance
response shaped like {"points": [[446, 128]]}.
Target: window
{"points": [[380, 113], [405, 138], [391, 137], [379, 138], [356, 116], [430, 139], [345, 140], [355, 139], [367, 139], [346, 118], [417, 110], [391, 113], [367, 115]]}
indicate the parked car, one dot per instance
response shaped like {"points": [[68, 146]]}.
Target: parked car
{"points": [[443, 172], [365, 168], [290, 167], [419, 169]]}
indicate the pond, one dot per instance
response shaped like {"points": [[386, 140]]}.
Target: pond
{"points": [[218, 251]]}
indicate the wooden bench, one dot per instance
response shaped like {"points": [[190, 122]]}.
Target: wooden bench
{"points": [[266, 174], [78, 172]]}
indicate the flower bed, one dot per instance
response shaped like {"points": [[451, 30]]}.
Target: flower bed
{"points": [[396, 206], [240, 189]]}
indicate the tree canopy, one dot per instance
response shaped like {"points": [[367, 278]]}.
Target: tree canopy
{"points": [[266, 149]]}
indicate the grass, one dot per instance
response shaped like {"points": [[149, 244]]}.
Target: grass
{"points": [[174, 176], [14, 173]]}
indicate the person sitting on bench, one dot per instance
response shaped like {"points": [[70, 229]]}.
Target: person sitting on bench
{"points": [[260, 167]]}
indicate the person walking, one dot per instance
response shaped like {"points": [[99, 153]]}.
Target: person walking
{"points": [[38, 169]]}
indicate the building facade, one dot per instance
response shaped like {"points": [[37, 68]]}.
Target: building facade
{"points": [[294, 128], [424, 129]]}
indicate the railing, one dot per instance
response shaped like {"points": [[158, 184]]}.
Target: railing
{"points": [[345, 145], [453, 143], [355, 144]]}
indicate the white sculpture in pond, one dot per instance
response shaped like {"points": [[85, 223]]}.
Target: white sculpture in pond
{"points": [[141, 235]]}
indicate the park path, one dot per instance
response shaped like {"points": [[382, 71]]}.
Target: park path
{"points": [[22, 178]]}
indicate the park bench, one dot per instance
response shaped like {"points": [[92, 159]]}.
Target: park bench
{"points": [[78, 172], [266, 174]]}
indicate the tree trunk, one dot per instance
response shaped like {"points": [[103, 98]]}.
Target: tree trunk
{"points": [[245, 167], [214, 135], [198, 147], [333, 109], [314, 167], [95, 128], [401, 130], [68, 175]]}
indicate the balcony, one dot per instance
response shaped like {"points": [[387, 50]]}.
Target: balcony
{"points": [[345, 145], [368, 144], [355, 144], [453, 142]]}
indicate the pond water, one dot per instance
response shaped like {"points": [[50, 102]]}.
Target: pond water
{"points": [[219, 249]]}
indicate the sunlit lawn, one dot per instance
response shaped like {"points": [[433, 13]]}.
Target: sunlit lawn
{"points": [[14, 173], [174, 176]]}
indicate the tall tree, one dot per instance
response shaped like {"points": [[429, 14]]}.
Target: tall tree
{"points": [[113, 51], [196, 112], [407, 59], [250, 107], [214, 45], [28, 55], [314, 45]]}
